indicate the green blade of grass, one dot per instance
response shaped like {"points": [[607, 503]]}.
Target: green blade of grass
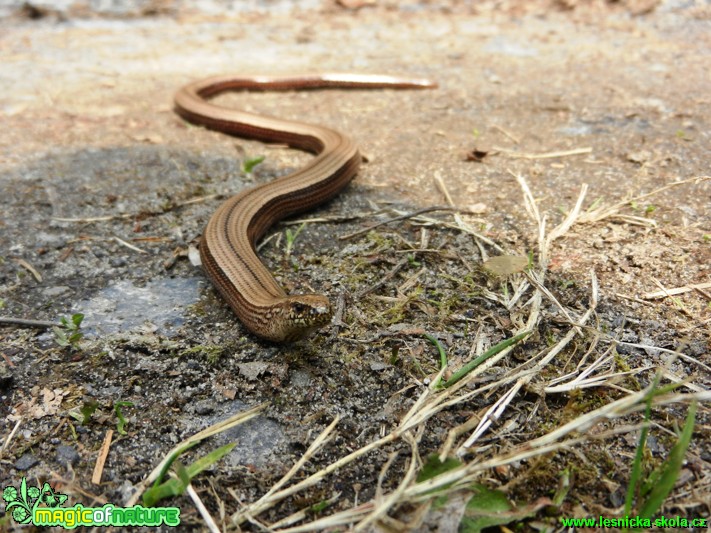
{"points": [[671, 468], [176, 486], [636, 472], [483, 357], [251, 162], [442, 354], [120, 425]]}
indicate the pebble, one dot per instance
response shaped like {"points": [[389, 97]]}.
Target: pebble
{"points": [[26, 462], [67, 455]]}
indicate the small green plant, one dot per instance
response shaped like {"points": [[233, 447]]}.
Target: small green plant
{"points": [[85, 411], [291, 238], [566, 283], [67, 334], [650, 491], [250, 162], [90, 406], [412, 261], [177, 485], [648, 210], [120, 425], [596, 203]]}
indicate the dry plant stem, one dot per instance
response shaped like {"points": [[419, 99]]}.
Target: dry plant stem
{"points": [[577, 375], [139, 214], [545, 242], [546, 155], [344, 518], [253, 509], [455, 433], [401, 216], [101, 459], [597, 381], [668, 374], [568, 222], [683, 356], [460, 225], [443, 188], [390, 500], [673, 292], [317, 444], [25, 323], [550, 442], [267, 502], [602, 213], [129, 245], [301, 514], [32, 270], [677, 303], [204, 513], [431, 402], [544, 290], [9, 438], [492, 414], [363, 292], [429, 392]]}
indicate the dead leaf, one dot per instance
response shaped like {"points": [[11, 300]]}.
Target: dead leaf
{"points": [[476, 155], [252, 370], [46, 403]]}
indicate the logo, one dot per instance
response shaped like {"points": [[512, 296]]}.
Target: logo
{"points": [[20, 504], [43, 507]]}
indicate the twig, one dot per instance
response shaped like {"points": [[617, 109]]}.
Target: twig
{"points": [[601, 213], [139, 214], [25, 323], [390, 500], [402, 217], [12, 434], [546, 155], [24, 264], [101, 459], [443, 188], [129, 245], [204, 513], [317, 444], [400, 264], [678, 290]]}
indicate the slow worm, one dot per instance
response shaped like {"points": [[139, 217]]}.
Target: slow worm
{"points": [[227, 248]]}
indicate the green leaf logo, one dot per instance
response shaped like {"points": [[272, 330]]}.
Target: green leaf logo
{"points": [[20, 503]]}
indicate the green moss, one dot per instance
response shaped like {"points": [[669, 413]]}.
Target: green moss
{"points": [[199, 308], [210, 352]]}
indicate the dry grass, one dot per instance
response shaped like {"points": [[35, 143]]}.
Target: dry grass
{"points": [[525, 304]]}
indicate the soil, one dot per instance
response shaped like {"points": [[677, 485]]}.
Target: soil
{"points": [[106, 189]]}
